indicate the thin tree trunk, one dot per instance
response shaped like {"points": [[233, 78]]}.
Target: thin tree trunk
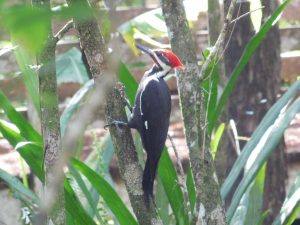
{"points": [[191, 99], [101, 65], [50, 121]]}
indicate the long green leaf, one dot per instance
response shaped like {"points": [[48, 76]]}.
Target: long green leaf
{"points": [[70, 67], [191, 188], [129, 82], [250, 208], [86, 192], [264, 148], [74, 208], [16, 185], [162, 202], [266, 122], [108, 194], [26, 130], [247, 54], [33, 154], [30, 77], [291, 206], [169, 178]]}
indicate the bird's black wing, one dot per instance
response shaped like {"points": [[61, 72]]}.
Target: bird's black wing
{"points": [[154, 109]]}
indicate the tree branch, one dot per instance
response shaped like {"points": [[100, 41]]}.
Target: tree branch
{"points": [[63, 30], [93, 45], [50, 122]]}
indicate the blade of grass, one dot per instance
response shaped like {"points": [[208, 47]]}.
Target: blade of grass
{"points": [[16, 185], [74, 208], [86, 192], [31, 152], [30, 77], [169, 178], [108, 194], [191, 188], [26, 130]]}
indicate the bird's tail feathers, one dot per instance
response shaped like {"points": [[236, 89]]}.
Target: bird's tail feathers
{"points": [[148, 179]]}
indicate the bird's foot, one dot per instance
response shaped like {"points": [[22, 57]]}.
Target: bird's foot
{"points": [[116, 123]]}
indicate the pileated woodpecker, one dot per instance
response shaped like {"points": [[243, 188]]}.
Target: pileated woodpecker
{"points": [[151, 112]]}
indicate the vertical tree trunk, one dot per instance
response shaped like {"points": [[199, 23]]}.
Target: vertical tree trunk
{"points": [[255, 93], [50, 120], [193, 112]]}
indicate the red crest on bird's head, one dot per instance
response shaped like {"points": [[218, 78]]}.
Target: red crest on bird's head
{"points": [[172, 58]]}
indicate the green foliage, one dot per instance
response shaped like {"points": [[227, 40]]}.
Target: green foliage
{"points": [[266, 122], [74, 104], [30, 77], [169, 178], [109, 195], [291, 206], [29, 26], [74, 208], [70, 68], [268, 141], [26, 130], [26, 195]]}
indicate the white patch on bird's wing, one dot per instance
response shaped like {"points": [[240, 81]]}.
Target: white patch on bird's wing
{"points": [[144, 84], [146, 125]]}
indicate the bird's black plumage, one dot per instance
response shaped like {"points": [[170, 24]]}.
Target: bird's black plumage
{"points": [[151, 116]]}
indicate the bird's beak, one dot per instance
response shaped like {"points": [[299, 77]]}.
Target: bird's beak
{"points": [[148, 51], [145, 49]]}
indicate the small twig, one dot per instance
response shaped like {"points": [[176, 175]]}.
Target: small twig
{"points": [[180, 167], [246, 14], [63, 30]]}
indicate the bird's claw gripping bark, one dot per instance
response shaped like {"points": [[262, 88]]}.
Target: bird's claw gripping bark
{"points": [[116, 123]]}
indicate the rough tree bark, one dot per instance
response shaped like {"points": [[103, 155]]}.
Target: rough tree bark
{"points": [[93, 45], [255, 93], [50, 119], [191, 97]]}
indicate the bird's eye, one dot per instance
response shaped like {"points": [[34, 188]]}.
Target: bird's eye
{"points": [[163, 58]]}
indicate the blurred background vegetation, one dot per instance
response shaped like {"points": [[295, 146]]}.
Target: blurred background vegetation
{"points": [[271, 74]]}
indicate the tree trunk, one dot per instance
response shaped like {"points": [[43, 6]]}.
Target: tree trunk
{"points": [[193, 112], [50, 123], [254, 93]]}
